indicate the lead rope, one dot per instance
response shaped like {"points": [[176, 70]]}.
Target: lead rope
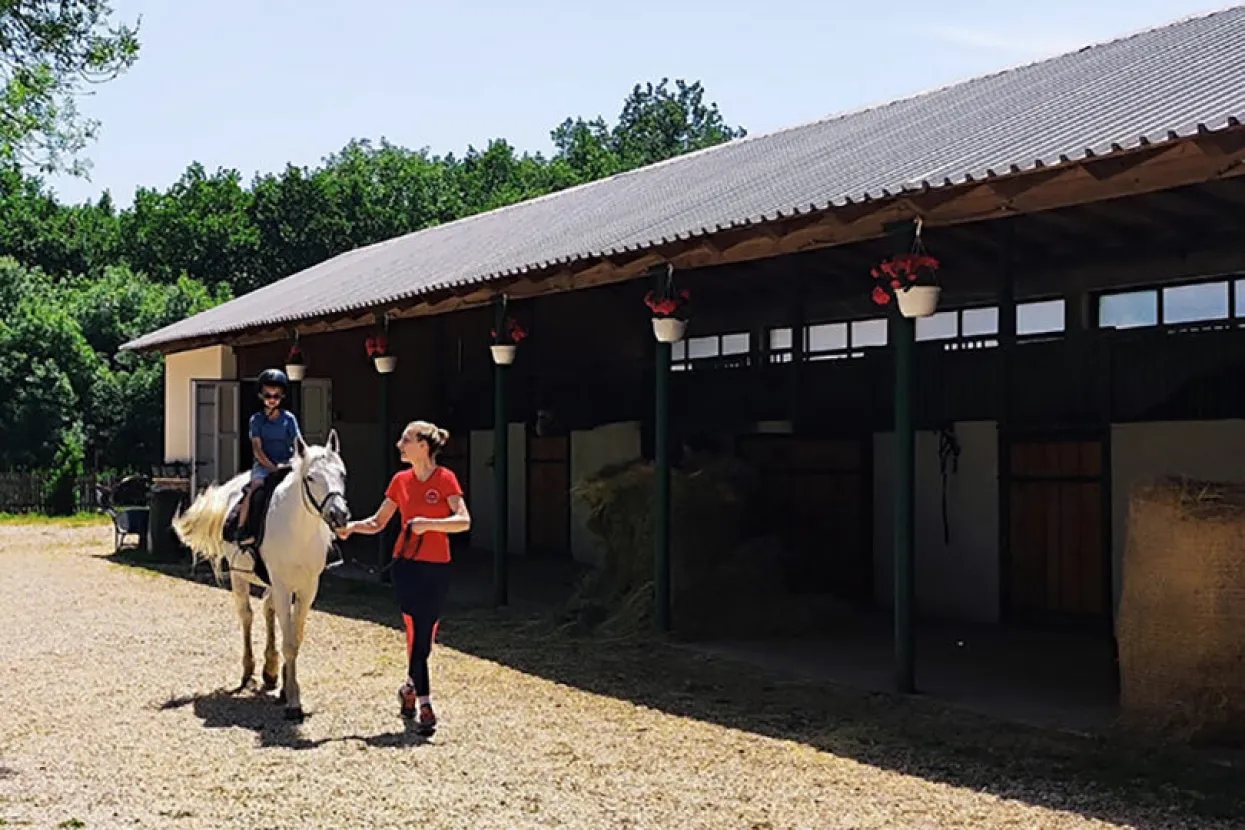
{"points": [[948, 453]]}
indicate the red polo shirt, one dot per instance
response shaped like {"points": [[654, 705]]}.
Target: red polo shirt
{"points": [[426, 500]]}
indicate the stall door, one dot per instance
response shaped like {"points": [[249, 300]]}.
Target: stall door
{"points": [[548, 495], [820, 491], [316, 418], [1060, 558], [215, 428]]}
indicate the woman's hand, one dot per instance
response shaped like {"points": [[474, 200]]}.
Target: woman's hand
{"points": [[419, 525], [344, 532]]}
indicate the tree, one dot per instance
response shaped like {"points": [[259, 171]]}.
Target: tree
{"points": [[655, 124], [49, 52]]}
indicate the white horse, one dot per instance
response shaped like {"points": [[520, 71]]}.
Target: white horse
{"points": [[305, 508]]}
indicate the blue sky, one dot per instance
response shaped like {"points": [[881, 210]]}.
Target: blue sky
{"points": [[254, 84]]}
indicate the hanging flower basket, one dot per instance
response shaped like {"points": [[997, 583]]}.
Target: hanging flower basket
{"points": [[506, 345], [911, 280], [295, 365], [378, 349], [670, 313]]}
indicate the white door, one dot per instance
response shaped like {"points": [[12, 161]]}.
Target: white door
{"points": [[215, 429], [316, 417]]}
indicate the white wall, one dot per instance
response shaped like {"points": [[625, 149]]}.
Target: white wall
{"points": [[960, 580], [592, 450], [482, 503], [180, 368], [1142, 453]]}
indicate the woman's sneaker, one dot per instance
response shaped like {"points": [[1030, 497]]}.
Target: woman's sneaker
{"points": [[408, 700], [427, 720]]}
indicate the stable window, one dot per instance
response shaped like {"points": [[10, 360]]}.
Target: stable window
{"points": [[835, 341], [781, 345], [1171, 305], [826, 340], [868, 334], [1040, 317], [1196, 303], [736, 345], [945, 325], [1134, 309], [979, 322]]}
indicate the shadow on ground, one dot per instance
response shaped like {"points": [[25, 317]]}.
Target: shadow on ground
{"points": [[262, 714], [1110, 777]]}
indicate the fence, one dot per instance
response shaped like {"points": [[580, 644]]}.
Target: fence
{"points": [[28, 492]]}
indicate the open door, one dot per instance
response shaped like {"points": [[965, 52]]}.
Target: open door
{"points": [[316, 418], [215, 428]]}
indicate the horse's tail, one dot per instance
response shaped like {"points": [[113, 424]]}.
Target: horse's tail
{"points": [[201, 527]]}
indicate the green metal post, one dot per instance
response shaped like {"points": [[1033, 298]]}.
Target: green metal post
{"points": [[385, 538], [903, 335], [501, 468], [661, 451]]}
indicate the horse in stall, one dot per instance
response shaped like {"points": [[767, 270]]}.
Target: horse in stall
{"points": [[304, 509]]}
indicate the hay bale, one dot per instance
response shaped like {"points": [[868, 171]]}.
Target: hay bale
{"points": [[1181, 625]]}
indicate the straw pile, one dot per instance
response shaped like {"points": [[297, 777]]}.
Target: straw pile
{"points": [[726, 572], [1181, 624]]}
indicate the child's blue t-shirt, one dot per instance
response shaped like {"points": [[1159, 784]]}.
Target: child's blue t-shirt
{"points": [[275, 436]]}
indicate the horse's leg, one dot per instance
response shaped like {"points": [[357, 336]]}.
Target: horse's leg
{"points": [[289, 652], [271, 660], [301, 607], [242, 601]]}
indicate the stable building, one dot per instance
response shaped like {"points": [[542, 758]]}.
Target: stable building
{"points": [[1088, 215]]}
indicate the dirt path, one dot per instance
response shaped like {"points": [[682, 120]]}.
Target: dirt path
{"points": [[113, 714]]}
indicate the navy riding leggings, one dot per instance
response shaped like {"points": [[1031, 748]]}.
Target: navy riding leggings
{"points": [[421, 588]]}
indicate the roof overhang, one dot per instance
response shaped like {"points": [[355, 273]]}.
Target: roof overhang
{"points": [[1205, 156]]}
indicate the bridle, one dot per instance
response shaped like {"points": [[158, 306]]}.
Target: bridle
{"points": [[319, 506]]}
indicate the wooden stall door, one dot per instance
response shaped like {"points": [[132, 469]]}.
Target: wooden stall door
{"points": [[1060, 556], [822, 490], [548, 495]]}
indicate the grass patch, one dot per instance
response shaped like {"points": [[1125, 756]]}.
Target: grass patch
{"points": [[38, 519]]}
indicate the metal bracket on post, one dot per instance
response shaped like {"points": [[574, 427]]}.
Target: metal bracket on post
{"points": [[903, 336], [501, 465]]}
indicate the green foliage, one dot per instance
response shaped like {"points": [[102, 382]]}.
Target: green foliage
{"points": [[61, 375], [67, 469], [78, 281], [48, 53]]}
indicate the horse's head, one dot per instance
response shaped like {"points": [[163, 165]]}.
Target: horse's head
{"points": [[322, 475]]}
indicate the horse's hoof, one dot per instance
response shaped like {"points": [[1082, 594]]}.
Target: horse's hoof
{"points": [[281, 697], [294, 713], [270, 682]]}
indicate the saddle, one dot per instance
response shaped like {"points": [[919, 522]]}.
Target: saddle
{"points": [[255, 519]]}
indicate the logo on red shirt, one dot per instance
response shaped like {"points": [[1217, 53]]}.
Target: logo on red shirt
{"points": [[431, 496]]}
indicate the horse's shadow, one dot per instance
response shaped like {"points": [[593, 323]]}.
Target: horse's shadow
{"points": [[248, 708]]}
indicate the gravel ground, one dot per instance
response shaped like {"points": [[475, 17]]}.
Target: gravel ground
{"points": [[116, 712]]}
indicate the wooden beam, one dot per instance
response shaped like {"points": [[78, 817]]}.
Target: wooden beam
{"points": [[1194, 160]]}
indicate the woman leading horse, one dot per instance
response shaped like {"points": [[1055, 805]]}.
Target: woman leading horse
{"points": [[431, 504]]}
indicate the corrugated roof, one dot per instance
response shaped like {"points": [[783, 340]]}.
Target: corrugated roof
{"points": [[1155, 86]]}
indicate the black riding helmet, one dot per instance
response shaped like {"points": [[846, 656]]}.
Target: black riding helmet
{"points": [[274, 377]]}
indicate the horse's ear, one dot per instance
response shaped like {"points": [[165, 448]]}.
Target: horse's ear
{"points": [[300, 446], [332, 443]]}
